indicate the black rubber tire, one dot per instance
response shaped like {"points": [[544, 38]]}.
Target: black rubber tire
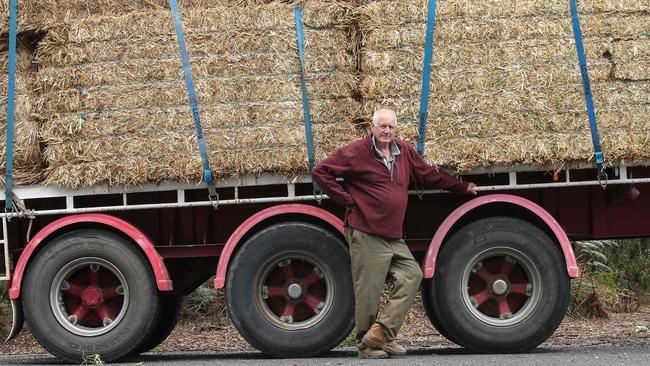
{"points": [[427, 302], [333, 326], [455, 319], [140, 314], [170, 313]]}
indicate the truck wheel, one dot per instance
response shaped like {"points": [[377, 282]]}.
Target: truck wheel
{"points": [[427, 303], [170, 313], [90, 292], [289, 290], [500, 286]]}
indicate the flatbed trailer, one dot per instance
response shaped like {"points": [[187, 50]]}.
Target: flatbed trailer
{"points": [[103, 270]]}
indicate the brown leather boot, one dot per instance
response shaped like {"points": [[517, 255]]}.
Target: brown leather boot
{"points": [[376, 338], [365, 351]]}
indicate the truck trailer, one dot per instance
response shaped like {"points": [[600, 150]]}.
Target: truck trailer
{"points": [[99, 263]]}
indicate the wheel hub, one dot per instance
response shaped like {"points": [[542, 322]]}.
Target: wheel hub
{"points": [[89, 296], [294, 291], [502, 286], [92, 296], [499, 287]]}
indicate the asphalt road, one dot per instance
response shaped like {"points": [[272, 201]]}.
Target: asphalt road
{"points": [[636, 353]]}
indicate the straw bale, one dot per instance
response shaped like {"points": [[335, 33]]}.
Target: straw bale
{"points": [[210, 90], [498, 101], [484, 53], [22, 107], [631, 50], [23, 84], [26, 145], [505, 29], [453, 80], [625, 145], [25, 21], [400, 12], [213, 116], [631, 59], [51, 54], [23, 57], [41, 14], [632, 70], [542, 149], [463, 154], [142, 70], [385, 51], [480, 125], [275, 16], [157, 143], [25, 175], [394, 11], [125, 169]]}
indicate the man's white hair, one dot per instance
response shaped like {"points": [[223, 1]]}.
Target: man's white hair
{"points": [[375, 116]]}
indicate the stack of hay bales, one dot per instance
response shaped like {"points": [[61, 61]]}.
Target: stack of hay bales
{"points": [[114, 103], [505, 82], [27, 154]]}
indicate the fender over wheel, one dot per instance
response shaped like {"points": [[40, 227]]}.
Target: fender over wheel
{"points": [[500, 286], [289, 290], [90, 292]]}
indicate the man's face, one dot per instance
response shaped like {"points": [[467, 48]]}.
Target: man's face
{"points": [[384, 129]]}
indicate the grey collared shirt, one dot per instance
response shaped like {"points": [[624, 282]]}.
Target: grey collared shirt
{"points": [[389, 162]]}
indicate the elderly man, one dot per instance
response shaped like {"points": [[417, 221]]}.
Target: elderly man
{"points": [[376, 173]]}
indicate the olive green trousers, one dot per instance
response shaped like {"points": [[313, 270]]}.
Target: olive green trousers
{"points": [[374, 258]]}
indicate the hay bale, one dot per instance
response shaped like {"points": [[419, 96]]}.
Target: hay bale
{"points": [[142, 25], [222, 43], [209, 90], [536, 99], [90, 125], [496, 54], [505, 82], [169, 68], [112, 89], [448, 81], [408, 11], [545, 149], [505, 29], [533, 27], [483, 125], [43, 14], [631, 59], [27, 153], [180, 161]]}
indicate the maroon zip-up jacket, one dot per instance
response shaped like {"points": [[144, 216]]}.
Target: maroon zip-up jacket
{"points": [[375, 198]]}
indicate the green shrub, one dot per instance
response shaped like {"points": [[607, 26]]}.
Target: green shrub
{"points": [[630, 262], [615, 277]]}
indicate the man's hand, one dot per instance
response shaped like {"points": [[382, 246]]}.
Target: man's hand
{"points": [[471, 188]]}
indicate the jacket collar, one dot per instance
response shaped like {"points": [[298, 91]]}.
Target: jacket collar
{"points": [[394, 149]]}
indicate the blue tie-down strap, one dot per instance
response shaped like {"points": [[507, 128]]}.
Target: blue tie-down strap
{"points": [[189, 82], [426, 76], [309, 136], [577, 32], [11, 93]]}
